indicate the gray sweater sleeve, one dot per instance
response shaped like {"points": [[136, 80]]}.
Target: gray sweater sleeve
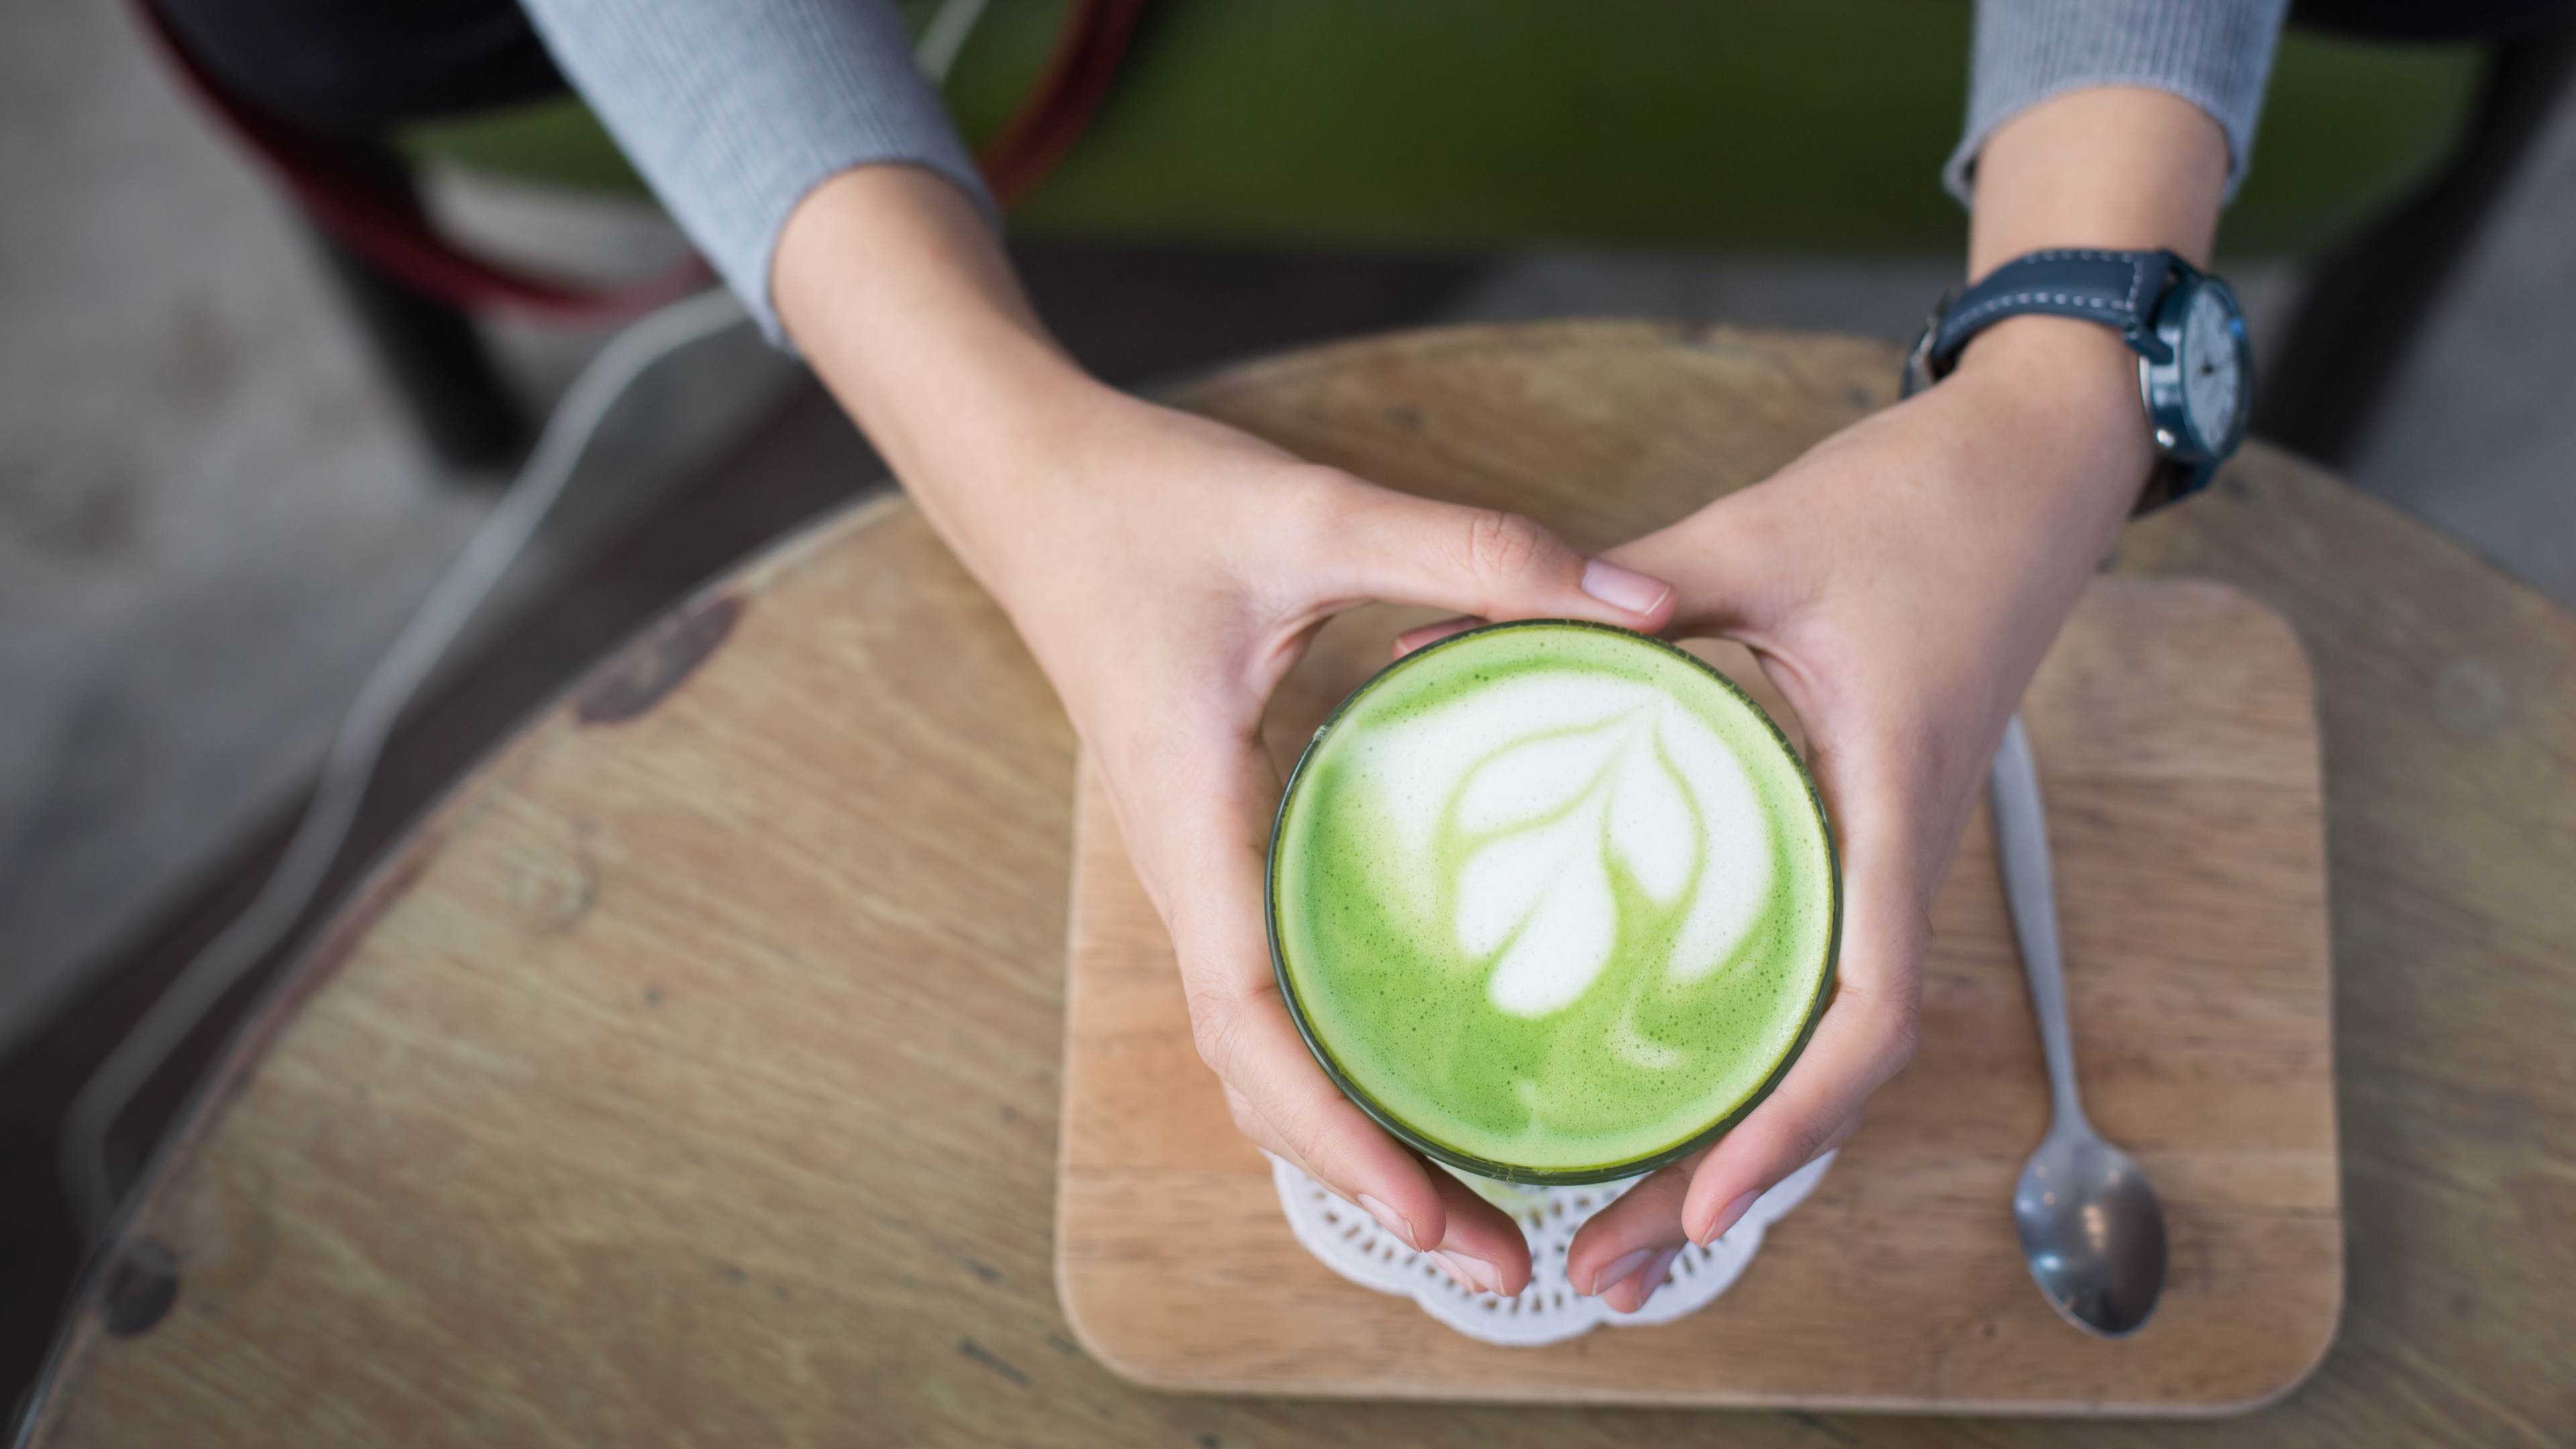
{"points": [[2216, 54], [735, 111]]}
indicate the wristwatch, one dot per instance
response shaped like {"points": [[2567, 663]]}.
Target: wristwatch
{"points": [[2195, 368]]}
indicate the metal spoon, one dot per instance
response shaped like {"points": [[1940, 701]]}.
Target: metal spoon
{"points": [[2089, 1222]]}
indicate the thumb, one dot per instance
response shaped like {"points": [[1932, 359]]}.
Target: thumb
{"points": [[1493, 565]]}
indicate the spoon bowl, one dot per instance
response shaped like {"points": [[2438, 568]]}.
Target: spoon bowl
{"points": [[2092, 1231]]}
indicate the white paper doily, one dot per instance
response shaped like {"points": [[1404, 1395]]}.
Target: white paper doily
{"points": [[1351, 1243]]}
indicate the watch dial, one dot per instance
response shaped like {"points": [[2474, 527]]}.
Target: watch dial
{"points": [[2212, 381]]}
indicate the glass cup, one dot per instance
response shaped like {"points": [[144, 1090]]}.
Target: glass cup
{"points": [[1790, 809]]}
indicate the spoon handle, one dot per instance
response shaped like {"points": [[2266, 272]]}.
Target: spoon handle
{"points": [[2021, 846]]}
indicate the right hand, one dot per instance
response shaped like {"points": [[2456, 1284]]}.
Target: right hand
{"points": [[1174, 570], [1167, 571]]}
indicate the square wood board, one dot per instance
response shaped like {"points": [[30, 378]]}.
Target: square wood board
{"points": [[2177, 746]]}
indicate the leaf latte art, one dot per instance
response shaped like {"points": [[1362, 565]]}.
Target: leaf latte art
{"points": [[1553, 900]]}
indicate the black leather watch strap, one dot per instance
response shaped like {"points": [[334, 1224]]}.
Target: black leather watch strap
{"points": [[2117, 289]]}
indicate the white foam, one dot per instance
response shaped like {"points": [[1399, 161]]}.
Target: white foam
{"points": [[1735, 877], [1559, 772], [1651, 824], [1559, 939], [1417, 763], [1532, 779]]}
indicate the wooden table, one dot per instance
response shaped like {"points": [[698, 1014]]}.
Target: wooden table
{"points": [[691, 1075]]}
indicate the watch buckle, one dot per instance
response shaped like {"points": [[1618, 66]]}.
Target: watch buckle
{"points": [[1918, 362]]}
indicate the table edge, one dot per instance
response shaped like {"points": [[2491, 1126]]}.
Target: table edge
{"points": [[385, 882]]}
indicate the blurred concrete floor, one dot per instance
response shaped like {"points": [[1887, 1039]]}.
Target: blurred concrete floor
{"points": [[212, 517], [212, 514]]}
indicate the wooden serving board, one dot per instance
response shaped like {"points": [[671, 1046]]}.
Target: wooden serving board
{"points": [[2177, 745]]}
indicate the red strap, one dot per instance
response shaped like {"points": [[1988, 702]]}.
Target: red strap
{"points": [[385, 222], [1088, 48]]}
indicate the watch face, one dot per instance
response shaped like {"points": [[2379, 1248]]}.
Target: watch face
{"points": [[2213, 382]]}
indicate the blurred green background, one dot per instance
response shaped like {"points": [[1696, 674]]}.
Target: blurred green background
{"points": [[1812, 127]]}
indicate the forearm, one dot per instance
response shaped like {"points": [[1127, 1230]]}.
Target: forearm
{"points": [[894, 288], [2112, 166]]}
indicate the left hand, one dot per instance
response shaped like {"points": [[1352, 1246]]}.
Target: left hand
{"points": [[1899, 584]]}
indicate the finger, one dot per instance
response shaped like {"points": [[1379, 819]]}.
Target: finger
{"points": [[1817, 1108], [1650, 1233], [1623, 1237], [1206, 808], [1726, 565], [1484, 562], [1868, 1030], [1249, 1121], [1484, 1248], [1629, 1281], [1412, 639], [1247, 1038], [1304, 1118], [1630, 1293], [1631, 1244]]}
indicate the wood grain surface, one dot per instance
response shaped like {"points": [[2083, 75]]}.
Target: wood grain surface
{"points": [[2178, 751], [691, 1077]]}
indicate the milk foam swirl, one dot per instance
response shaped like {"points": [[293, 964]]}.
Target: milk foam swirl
{"points": [[1540, 792], [1553, 898]]}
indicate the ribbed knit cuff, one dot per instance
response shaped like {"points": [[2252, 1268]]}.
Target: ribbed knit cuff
{"points": [[735, 110], [2216, 54]]}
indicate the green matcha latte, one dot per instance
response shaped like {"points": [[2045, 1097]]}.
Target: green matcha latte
{"points": [[1553, 901]]}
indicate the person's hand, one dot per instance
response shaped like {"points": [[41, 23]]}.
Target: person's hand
{"points": [[1899, 584], [1166, 571]]}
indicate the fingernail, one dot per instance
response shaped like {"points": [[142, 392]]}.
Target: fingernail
{"points": [[1476, 1273], [1729, 1215], [1655, 1273], [1622, 588], [1387, 1219], [1619, 1269]]}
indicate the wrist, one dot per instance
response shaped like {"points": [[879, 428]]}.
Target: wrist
{"points": [[2065, 391], [2115, 167]]}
